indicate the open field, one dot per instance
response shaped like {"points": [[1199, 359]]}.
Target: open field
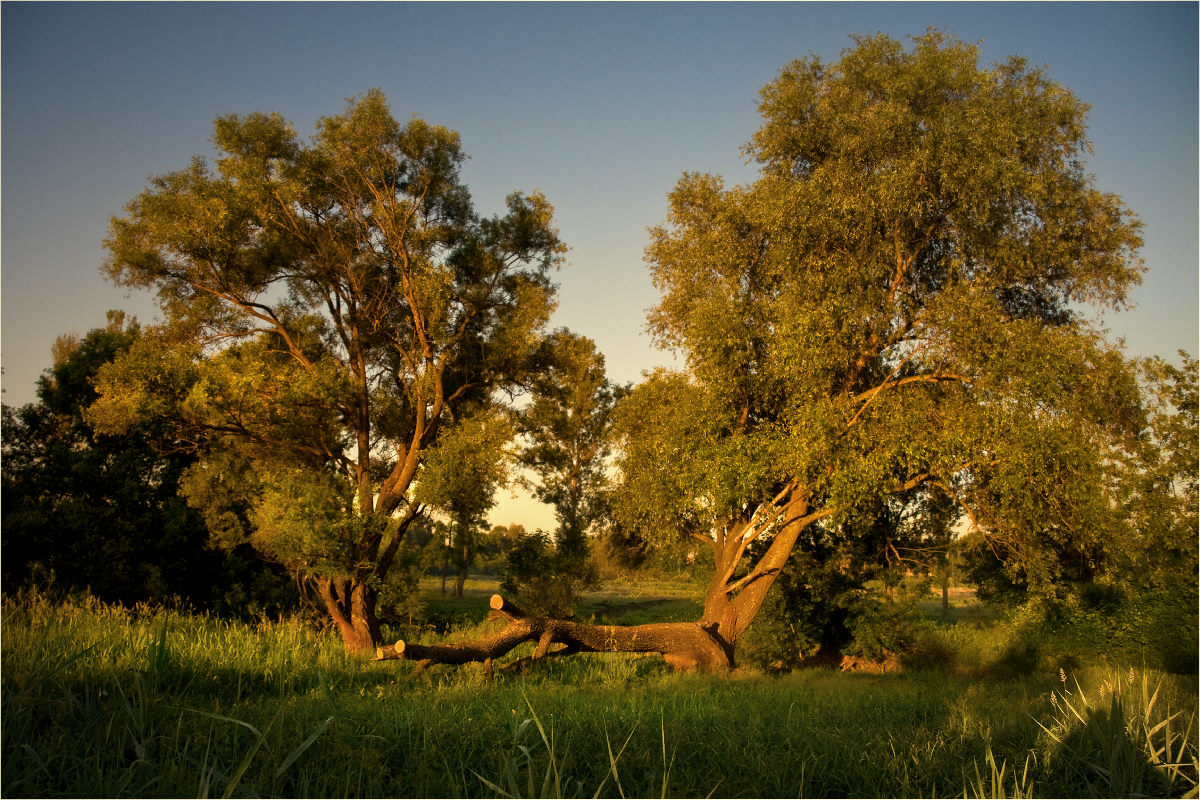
{"points": [[99, 701]]}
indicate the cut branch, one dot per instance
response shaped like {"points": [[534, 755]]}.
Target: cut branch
{"points": [[683, 645]]}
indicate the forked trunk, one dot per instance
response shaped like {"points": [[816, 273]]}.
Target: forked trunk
{"points": [[732, 603], [352, 608]]}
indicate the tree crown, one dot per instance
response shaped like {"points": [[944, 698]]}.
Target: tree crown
{"points": [[899, 299], [334, 306]]}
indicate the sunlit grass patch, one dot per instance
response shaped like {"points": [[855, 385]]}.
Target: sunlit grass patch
{"points": [[1124, 732], [99, 701]]}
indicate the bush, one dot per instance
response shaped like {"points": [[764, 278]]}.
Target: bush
{"points": [[1019, 658], [618, 550], [1151, 624], [773, 642], [931, 651], [544, 581], [881, 627]]}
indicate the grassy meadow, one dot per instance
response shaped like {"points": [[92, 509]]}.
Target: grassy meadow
{"points": [[104, 702]]}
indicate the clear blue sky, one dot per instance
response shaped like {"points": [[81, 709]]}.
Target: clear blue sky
{"points": [[602, 106]]}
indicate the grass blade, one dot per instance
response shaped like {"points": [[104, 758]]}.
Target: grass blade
{"points": [[299, 750], [612, 764], [241, 770]]}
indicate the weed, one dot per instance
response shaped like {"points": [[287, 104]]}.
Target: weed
{"points": [[522, 761], [1119, 739], [993, 785]]}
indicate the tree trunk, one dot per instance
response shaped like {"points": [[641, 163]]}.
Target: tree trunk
{"points": [[462, 558], [445, 566], [684, 645], [352, 608], [730, 605]]}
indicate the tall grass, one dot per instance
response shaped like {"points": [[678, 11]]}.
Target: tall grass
{"points": [[100, 701], [1131, 735]]}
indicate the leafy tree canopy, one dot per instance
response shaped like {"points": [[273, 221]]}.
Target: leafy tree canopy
{"points": [[330, 307], [899, 301]]}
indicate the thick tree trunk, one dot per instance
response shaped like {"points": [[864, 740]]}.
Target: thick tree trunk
{"points": [[352, 608], [684, 645], [731, 604]]}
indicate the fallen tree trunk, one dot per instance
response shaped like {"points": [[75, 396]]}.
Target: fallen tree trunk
{"points": [[684, 645]]}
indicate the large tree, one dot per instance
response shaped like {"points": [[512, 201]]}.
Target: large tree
{"points": [[899, 301], [329, 308]]}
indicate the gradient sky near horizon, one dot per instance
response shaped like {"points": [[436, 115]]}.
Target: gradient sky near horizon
{"points": [[600, 105]]}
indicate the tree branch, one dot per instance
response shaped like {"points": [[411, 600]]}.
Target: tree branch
{"points": [[759, 570], [685, 645], [753, 529]]}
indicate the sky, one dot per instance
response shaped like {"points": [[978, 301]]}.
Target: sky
{"points": [[602, 106]]}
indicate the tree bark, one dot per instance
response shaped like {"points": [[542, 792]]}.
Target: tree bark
{"points": [[464, 542], [731, 603], [684, 645], [352, 608], [445, 566]]}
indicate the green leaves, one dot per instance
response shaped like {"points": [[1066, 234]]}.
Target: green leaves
{"points": [[334, 314], [470, 462], [892, 153], [149, 381], [567, 427], [896, 301], [307, 517]]}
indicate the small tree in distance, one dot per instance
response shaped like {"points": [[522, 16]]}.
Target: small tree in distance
{"points": [[462, 475], [567, 425], [897, 302], [567, 430]]}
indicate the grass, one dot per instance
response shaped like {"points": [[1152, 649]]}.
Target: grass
{"points": [[99, 701]]}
